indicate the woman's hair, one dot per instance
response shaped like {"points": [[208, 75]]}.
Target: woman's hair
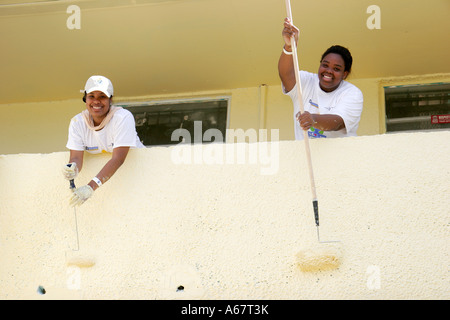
{"points": [[344, 53]]}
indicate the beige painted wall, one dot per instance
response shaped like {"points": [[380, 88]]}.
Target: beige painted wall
{"points": [[227, 231]]}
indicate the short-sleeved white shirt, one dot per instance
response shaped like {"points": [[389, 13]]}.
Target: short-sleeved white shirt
{"points": [[345, 101], [119, 132]]}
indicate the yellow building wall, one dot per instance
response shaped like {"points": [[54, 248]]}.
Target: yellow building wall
{"points": [[39, 127], [42, 127]]}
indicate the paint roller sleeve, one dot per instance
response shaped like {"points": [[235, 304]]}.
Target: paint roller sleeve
{"points": [[319, 259]]}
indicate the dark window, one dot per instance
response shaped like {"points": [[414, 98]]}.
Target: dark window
{"points": [[156, 122], [417, 107]]}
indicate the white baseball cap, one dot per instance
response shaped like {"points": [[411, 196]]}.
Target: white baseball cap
{"points": [[99, 83]]}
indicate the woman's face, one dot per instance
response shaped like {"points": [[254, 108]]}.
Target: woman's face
{"points": [[331, 72], [97, 104]]}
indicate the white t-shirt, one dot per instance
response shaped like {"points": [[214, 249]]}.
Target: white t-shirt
{"points": [[119, 132], [345, 101]]}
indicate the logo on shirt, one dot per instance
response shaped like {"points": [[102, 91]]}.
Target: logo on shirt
{"points": [[315, 133], [91, 148], [313, 103]]}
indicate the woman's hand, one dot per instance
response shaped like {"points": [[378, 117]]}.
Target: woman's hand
{"points": [[289, 30], [70, 171], [80, 195], [306, 120], [325, 122], [286, 63]]}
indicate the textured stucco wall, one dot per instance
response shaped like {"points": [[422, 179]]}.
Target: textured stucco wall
{"points": [[226, 231]]}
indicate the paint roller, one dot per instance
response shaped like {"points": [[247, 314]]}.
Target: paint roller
{"points": [[73, 258], [317, 258]]}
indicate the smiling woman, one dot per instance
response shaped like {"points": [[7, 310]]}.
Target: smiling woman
{"points": [[101, 127], [335, 66], [332, 106], [97, 103]]}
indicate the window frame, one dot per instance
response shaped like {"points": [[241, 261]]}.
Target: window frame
{"points": [[129, 105], [424, 121]]}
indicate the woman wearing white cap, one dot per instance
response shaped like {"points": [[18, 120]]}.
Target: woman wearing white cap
{"points": [[102, 127]]}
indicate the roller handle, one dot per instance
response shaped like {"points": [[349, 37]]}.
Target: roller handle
{"points": [[301, 107], [316, 211], [72, 182]]}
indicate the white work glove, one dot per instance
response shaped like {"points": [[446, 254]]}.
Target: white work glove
{"points": [[70, 171], [80, 195]]}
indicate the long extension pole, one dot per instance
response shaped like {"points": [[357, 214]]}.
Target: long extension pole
{"points": [[305, 133]]}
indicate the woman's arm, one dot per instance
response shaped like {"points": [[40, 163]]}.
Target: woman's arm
{"points": [[118, 158], [285, 63], [346, 115], [325, 122], [80, 195], [71, 169], [77, 157]]}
